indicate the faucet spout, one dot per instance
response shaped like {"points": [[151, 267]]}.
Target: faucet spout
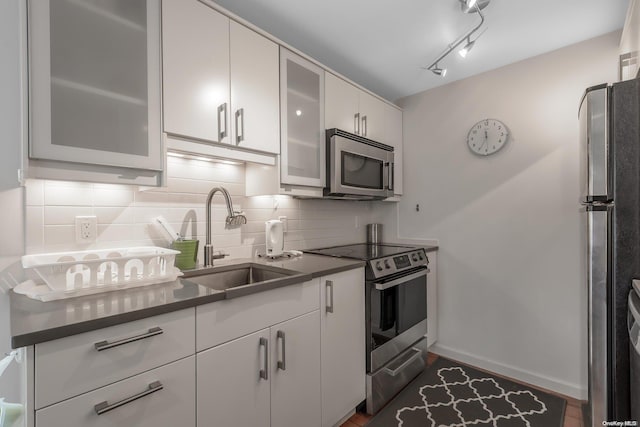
{"points": [[233, 218]]}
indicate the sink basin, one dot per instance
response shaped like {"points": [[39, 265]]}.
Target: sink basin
{"points": [[244, 279]]}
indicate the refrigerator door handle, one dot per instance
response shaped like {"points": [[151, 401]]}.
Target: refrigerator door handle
{"points": [[598, 282]]}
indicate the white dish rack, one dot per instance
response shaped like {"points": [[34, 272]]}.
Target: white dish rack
{"points": [[69, 274]]}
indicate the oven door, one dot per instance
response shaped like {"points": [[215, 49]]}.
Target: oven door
{"points": [[359, 169], [397, 315]]}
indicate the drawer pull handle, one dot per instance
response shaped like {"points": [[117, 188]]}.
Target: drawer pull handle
{"points": [[104, 407], [105, 345]]}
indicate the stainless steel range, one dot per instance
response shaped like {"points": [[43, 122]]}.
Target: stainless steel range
{"points": [[396, 315]]}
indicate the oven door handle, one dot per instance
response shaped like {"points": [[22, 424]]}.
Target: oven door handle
{"points": [[417, 354], [401, 280]]}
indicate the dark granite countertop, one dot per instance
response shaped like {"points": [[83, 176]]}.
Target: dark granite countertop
{"points": [[33, 322]]}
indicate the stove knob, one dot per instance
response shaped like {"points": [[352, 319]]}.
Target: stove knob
{"points": [[386, 264], [414, 257], [379, 266], [420, 255]]}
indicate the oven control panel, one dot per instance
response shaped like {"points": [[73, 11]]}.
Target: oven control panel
{"points": [[397, 263]]}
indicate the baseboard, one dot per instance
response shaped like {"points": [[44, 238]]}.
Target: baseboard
{"points": [[567, 389]]}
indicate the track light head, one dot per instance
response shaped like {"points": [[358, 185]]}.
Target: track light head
{"points": [[442, 72], [472, 6], [467, 47]]}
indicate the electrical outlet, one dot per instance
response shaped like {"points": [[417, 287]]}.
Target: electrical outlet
{"points": [[86, 229], [285, 223]]}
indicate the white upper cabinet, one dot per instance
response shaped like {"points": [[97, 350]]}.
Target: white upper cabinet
{"points": [[221, 79], [342, 105], [196, 87], [353, 110], [302, 114], [95, 83], [255, 90], [372, 118]]}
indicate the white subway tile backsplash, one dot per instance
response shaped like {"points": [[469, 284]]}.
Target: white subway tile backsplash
{"points": [[33, 224], [64, 215], [105, 196], [125, 213], [64, 194], [34, 192], [61, 235], [114, 215]]}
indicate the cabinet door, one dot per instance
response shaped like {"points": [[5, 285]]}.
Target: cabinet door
{"points": [[162, 397], [295, 363], [393, 129], [95, 83], [372, 120], [195, 47], [230, 388], [343, 358], [302, 114], [255, 90], [341, 105]]}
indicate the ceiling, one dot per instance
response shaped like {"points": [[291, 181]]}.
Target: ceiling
{"points": [[382, 44]]}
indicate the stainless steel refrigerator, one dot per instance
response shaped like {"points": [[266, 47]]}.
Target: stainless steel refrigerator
{"points": [[610, 174]]}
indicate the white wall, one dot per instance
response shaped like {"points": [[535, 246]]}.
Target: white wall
{"points": [[511, 292], [125, 212], [11, 194]]}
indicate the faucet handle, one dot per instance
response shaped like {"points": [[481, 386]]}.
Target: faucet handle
{"points": [[219, 255]]}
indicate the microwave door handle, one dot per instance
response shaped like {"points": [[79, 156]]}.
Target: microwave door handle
{"points": [[385, 176], [401, 280], [390, 178]]}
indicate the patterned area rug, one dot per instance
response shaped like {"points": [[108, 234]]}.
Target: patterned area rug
{"points": [[452, 395]]}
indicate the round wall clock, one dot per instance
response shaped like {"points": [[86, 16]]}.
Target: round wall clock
{"points": [[487, 136]]}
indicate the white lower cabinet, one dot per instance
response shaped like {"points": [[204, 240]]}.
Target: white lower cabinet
{"points": [[268, 378], [162, 397], [230, 390], [295, 365], [343, 351]]}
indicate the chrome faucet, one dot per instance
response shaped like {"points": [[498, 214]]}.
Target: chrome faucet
{"points": [[234, 218]]}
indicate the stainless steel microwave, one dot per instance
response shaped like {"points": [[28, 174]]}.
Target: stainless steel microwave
{"points": [[357, 168]]}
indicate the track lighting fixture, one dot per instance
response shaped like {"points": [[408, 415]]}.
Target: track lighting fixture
{"points": [[468, 6]]}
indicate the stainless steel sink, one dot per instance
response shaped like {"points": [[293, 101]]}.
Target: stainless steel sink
{"points": [[244, 279]]}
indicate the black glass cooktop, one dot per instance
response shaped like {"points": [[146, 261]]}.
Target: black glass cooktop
{"points": [[362, 251]]}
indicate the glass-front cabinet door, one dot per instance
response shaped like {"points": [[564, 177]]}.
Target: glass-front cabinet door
{"points": [[302, 128], [95, 82]]}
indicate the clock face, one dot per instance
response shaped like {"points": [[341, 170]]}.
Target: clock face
{"points": [[487, 137]]}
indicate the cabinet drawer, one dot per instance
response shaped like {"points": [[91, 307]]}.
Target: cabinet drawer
{"points": [[161, 397], [74, 365], [226, 320]]}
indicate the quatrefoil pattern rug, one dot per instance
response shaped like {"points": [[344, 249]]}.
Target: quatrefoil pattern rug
{"points": [[451, 395]]}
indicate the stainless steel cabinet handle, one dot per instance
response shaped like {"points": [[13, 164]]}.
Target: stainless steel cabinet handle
{"points": [[264, 373], [104, 407], [105, 345], [240, 130], [391, 171], [393, 372], [364, 125], [282, 364], [222, 133], [330, 296], [356, 124]]}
